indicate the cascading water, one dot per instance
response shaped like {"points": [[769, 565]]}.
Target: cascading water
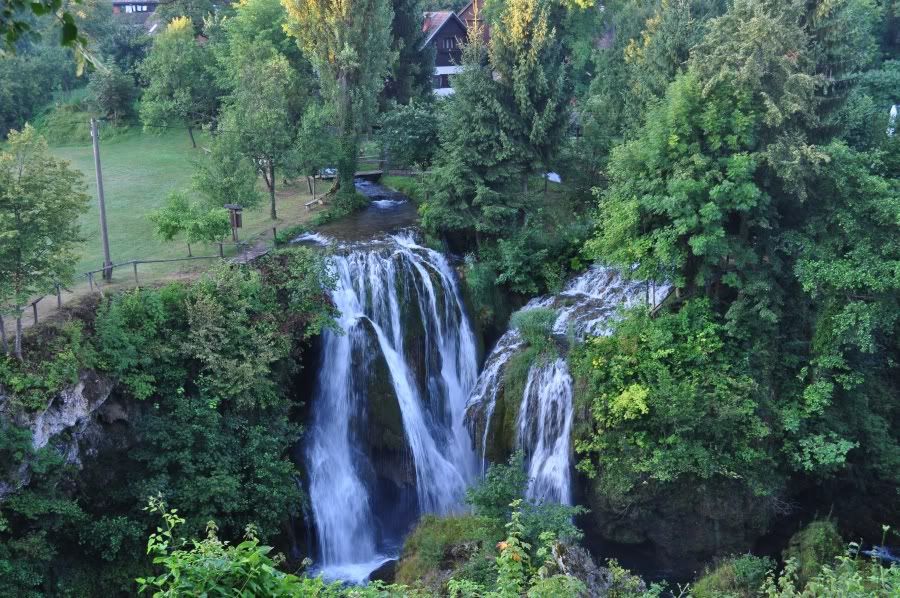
{"points": [[401, 311], [544, 422]]}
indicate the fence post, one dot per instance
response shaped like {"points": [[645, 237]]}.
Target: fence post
{"points": [[58, 297], [221, 250], [91, 281], [135, 273]]}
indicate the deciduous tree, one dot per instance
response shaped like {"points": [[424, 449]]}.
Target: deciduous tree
{"points": [[180, 87], [41, 198], [350, 45]]}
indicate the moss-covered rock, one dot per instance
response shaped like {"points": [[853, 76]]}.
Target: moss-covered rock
{"points": [[737, 577], [382, 424], [815, 545], [440, 547]]}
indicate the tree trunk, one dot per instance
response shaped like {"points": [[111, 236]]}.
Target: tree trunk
{"points": [[309, 184], [271, 183], [314, 186], [191, 134], [3, 342], [189, 250], [18, 348]]}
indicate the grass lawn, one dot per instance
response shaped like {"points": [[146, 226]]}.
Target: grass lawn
{"points": [[139, 170]]}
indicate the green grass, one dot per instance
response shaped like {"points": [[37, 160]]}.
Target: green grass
{"points": [[139, 171], [407, 185]]}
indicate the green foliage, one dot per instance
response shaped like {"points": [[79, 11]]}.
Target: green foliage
{"points": [[212, 567], [738, 576], [413, 66], [197, 223], [409, 134], [36, 514], [194, 10], [225, 176], [849, 576], [32, 383], [267, 95], [316, 146], [26, 80], [502, 484], [350, 45], [671, 399], [41, 198], [536, 327], [112, 93], [180, 88], [506, 483], [427, 547]]}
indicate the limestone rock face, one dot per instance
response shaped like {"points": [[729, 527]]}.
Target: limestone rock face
{"points": [[70, 422]]}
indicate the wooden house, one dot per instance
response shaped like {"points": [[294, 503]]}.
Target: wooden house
{"points": [[446, 32]]}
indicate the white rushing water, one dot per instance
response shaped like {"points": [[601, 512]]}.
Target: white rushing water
{"points": [[584, 307], [378, 284]]}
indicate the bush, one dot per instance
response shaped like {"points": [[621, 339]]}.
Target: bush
{"points": [[671, 399], [502, 484]]}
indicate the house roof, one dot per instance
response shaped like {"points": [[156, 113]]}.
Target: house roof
{"points": [[435, 21]]}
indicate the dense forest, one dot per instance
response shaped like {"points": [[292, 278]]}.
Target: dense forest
{"points": [[641, 338]]}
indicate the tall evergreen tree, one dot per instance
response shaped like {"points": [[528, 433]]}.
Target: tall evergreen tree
{"points": [[532, 98], [413, 66]]}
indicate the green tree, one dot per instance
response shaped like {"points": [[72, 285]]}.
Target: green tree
{"points": [[413, 66], [180, 87], [196, 222], [532, 97], [409, 133], [194, 10], [260, 115], [350, 45], [316, 146], [225, 176], [470, 173], [671, 401], [112, 92], [41, 198]]}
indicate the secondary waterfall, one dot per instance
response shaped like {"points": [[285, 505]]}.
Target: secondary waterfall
{"points": [[404, 345], [544, 420]]}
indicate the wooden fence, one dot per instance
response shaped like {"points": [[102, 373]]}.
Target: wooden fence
{"points": [[246, 251]]}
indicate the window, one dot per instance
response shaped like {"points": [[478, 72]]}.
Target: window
{"points": [[448, 43]]}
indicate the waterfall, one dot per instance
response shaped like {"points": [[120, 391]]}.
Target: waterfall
{"points": [[400, 306], [584, 308], [545, 426]]}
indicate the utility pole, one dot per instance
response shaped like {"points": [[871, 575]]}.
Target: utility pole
{"points": [[104, 234]]}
